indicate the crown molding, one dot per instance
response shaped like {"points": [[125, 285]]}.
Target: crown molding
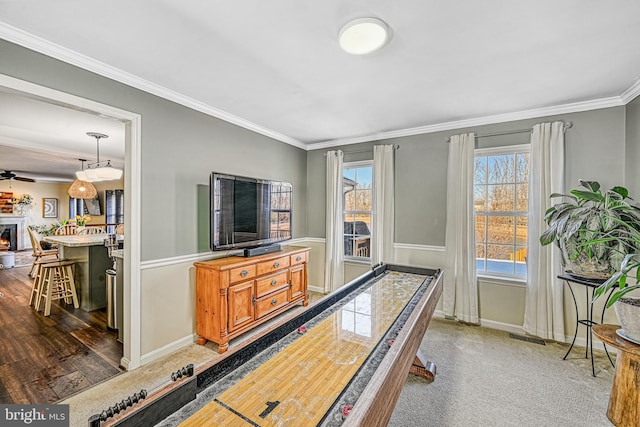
{"points": [[575, 107], [631, 93], [40, 45]]}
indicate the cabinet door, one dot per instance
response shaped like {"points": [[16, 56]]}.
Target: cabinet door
{"points": [[298, 281], [241, 309]]}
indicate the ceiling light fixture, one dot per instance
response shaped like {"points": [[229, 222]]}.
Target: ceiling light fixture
{"points": [[82, 189], [364, 35], [99, 171]]}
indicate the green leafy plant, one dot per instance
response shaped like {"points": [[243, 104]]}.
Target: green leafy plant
{"points": [[593, 229], [45, 229], [629, 265]]}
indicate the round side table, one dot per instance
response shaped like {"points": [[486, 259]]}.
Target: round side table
{"points": [[625, 393]]}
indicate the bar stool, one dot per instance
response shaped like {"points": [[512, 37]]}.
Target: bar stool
{"points": [[37, 280], [57, 283]]}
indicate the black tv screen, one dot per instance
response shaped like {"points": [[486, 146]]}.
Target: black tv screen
{"points": [[248, 212]]}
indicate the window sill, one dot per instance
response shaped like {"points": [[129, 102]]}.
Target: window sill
{"points": [[502, 280]]}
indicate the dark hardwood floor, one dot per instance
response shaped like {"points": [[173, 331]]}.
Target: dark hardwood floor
{"points": [[47, 359]]}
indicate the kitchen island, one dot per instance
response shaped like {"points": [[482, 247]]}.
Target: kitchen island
{"points": [[91, 262]]}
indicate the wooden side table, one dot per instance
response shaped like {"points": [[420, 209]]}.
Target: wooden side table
{"points": [[625, 393]]}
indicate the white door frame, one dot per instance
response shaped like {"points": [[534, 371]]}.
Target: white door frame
{"points": [[133, 135]]}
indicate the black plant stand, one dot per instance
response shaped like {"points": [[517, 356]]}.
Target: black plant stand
{"points": [[589, 284]]}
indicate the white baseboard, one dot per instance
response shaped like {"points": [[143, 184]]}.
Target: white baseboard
{"points": [[517, 329], [125, 363], [315, 289], [167, 349]]}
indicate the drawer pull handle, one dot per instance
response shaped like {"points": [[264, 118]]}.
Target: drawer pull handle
{"points": [[274, 282], [274, 302], [298, 258], [276, 265], [244, 273]]}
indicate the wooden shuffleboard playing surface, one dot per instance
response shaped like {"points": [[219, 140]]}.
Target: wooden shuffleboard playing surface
{"points": [[300, 384]]}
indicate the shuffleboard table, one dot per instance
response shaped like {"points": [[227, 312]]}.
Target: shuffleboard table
{"points": [[341, 361]]}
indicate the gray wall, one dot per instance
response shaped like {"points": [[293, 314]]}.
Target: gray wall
{"points": [[593, 150], [180, 147]]}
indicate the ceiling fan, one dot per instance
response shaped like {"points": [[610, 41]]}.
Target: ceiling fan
{"points": [[10, 175]]}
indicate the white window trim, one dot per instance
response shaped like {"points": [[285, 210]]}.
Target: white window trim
{"points": [[502, 278]]}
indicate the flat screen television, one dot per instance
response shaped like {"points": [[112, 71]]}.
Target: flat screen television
{"points": [[248, 212]]}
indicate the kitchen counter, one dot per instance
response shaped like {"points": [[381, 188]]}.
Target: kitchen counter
{"points": [[79, 240]]}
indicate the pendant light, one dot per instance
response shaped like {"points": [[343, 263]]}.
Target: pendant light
{"points": [[97, 171], [82, 189]]}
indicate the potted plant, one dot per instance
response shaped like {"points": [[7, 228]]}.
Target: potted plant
{"points": [[627, 308], [592, 229]]}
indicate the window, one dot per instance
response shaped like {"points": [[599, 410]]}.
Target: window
{"points": [[357, 189], [114, 209], [501, 206]]}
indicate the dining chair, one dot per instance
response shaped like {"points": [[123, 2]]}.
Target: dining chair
{"points": [[67, 229], [93, 229], [39, 253]]}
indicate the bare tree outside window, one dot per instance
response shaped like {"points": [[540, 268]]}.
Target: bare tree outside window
{"points": [[501, 211], [358, 209]]}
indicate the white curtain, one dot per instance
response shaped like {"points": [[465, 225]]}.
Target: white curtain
{"points": [[460, 291], [383, 204], [334, 242], [543, 314]]}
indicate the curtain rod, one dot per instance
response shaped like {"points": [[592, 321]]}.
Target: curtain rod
{"points": [[567, 125], [395, 147]]}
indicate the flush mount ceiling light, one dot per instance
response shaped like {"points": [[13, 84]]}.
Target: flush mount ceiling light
{"points": [[82, 189], [99, 171], [364, 35]]}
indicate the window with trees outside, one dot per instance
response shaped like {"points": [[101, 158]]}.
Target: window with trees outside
{"points": [[501, 192], [357, 191]]}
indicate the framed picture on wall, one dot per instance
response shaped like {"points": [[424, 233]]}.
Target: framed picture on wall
{"points": [[92, 206], [49, 208]]}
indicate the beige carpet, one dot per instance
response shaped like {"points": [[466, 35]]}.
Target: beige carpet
{"points": [[484, 378]]}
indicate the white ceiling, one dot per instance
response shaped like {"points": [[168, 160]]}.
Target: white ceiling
{"points": [[44, 141], [275, 66]]}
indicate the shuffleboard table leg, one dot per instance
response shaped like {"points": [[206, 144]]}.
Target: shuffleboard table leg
{"points": [[423, 367]]}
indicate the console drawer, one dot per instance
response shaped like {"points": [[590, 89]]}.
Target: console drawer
{"points": [[242, 273], [273, 265], [299, 258], [271, 302], [271, 283]]}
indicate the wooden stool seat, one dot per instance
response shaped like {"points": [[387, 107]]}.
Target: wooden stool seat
{"points": [[56, 283]]}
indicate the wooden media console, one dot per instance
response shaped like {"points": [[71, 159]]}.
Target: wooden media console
{"points": [[236, 294]]}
